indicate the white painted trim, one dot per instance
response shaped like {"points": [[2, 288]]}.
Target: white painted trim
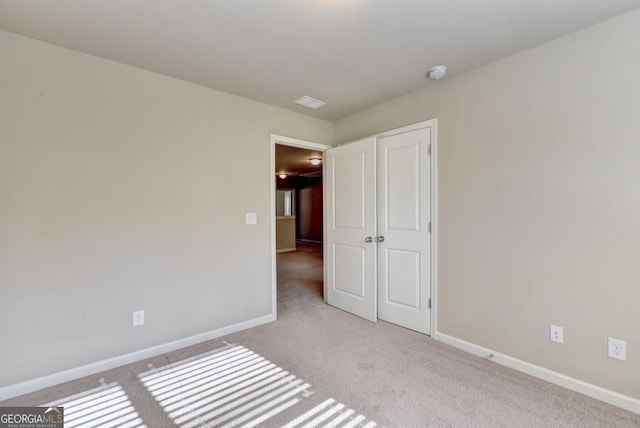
{"points": [[285, 250], [611, 397], [325, 251], [434, 226], [413, 127], [408, 128], [28, 386], [293, 142]]}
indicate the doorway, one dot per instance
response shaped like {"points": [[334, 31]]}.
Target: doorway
{"points": [[297, 224]]}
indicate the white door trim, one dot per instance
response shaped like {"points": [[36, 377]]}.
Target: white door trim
{"points": [[293, 142], [432, 124]]}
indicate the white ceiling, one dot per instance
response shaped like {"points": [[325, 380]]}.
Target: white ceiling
{"points": [[350, 53]]}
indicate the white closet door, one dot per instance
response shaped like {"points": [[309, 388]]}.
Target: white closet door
{"points": [[350, 259], [403, 215]]}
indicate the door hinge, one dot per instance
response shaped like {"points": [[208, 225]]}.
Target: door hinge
{"points": [[429, 227], [429, 302], [429, 149]]}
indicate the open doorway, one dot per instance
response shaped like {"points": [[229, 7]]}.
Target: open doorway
{"points": [[298, 261]]}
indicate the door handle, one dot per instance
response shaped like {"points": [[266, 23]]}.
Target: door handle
{"points": [[380, 238], [368, 239]]}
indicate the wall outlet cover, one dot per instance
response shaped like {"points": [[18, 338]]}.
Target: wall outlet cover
{"points": [[617, 349], [556, 333]]}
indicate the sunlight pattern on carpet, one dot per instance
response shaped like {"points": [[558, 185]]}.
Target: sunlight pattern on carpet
{"points": [[106, 406], [234, 386]]}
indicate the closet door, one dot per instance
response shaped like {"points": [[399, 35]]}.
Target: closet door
{"points": [[403, 238], [350, 250]]}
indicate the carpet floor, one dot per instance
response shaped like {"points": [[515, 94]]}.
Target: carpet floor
{"points": [[319, 366]]}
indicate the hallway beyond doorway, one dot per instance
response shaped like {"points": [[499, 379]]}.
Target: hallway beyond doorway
{"points": [[300, 279]]}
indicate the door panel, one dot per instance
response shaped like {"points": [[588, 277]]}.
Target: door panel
{"points": [[403, 207], [403, 278], [350, 270], [350, 216], [349, 210], [404, 185]]}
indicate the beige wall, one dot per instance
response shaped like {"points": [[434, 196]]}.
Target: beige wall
{"points": [[285, 233], [539, 200], [111, 182]]}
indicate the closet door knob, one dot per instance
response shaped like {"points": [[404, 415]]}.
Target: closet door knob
{"points": [[380, 238], [368, 239]]}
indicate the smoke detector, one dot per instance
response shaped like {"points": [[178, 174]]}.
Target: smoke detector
{"points": [[437, 72]]}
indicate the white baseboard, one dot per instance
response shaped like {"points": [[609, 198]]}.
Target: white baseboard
{"points": [[611, 397], [285, 250], [28, 386]]}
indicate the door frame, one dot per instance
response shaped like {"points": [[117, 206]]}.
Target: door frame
{"points": [[432, 124], [292, 142]]}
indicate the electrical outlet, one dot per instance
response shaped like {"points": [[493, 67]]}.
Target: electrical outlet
{"points": [[556, 334], [138, 318], [617, 349]]}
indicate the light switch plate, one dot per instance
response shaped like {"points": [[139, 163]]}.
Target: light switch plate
{"points": [[138, 318], [251, 218]]}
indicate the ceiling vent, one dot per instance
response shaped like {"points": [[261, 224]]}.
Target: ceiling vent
{"points": [[310, 102]]}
